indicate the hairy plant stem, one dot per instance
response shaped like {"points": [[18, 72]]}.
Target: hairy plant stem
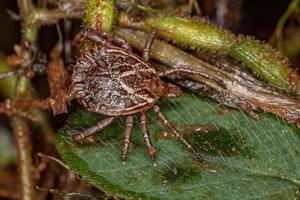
{"points": [[237, 84], [19, 125], [24, 90]]}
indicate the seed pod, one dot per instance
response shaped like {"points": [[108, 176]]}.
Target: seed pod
{"points": [[266, 63], [193, 32]]}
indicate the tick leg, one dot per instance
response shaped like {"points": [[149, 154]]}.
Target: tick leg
{"points": [[145, 131], [90, 35], [101, 38], [92, 130], [120, 41], [168, 125], [127, 136], [149, 42], [188, 71]]}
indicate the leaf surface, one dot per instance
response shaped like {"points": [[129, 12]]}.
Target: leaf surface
{"points": [[248, 159]]}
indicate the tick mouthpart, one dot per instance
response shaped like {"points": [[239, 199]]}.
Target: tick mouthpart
{"points": [[171, 90]]}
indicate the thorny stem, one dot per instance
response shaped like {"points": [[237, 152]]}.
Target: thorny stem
{"points": [[237, 84]]}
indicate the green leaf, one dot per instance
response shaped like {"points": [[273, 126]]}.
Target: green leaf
{"points": [[248, 159]]}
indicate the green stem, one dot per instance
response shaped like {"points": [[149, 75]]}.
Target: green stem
{"points": [[100, 14]]}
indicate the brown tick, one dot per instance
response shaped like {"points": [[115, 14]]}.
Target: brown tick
{"points": [[115, 82]]}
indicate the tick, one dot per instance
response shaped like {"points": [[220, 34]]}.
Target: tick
{"points": [[115, 82]]}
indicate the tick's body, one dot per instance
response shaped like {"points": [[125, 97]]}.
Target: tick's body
{"points": [[113, 82]]}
